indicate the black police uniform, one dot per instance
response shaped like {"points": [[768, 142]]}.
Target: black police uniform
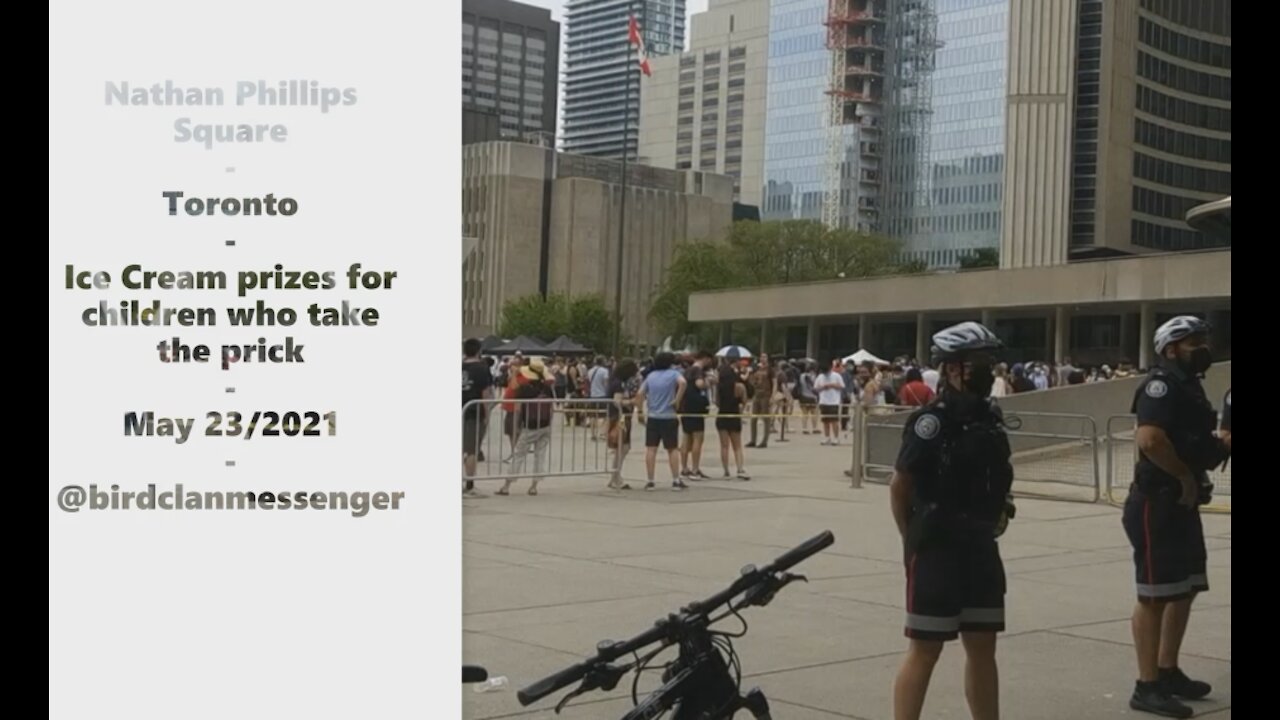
{"points": [[1168, 538], [962, 476]]}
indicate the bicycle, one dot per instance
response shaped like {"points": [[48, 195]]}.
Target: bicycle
{"points": [[704, 682]]}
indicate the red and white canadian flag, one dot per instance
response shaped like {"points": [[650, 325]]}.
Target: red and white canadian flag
{"points": [[633, 37]]}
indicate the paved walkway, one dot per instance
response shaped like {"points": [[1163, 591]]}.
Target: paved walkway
{"points": [[547, 577]]}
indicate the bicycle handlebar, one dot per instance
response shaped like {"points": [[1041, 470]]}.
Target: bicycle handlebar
{"points": [[662, 630]]}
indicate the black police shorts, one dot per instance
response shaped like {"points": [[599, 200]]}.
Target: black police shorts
{"points": [[693, 423], [662, 431], [473, 432], [1169, 556], [955, 587]]}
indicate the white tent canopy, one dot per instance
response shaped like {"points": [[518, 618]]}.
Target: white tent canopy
{"points": [[862, 356]]}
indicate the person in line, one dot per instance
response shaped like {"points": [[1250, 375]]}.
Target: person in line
{"points": [[731, 395], [809, 399], [785, 397], [764, 384], [950, 498], [534, 414], [830, 388], [623, 391], [660, 394], [1178, 444], [914, 392], [598, 386], [477, 385], [693, 420], [1001, 387]]}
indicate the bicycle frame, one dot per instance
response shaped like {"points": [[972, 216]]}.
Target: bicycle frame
{"points": [[700, 687]]}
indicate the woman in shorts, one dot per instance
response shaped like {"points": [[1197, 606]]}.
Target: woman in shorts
{"points": [[731, 394], [623, 392]]}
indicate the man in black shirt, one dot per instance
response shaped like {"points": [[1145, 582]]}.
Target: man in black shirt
{"points": [[477, 384]]}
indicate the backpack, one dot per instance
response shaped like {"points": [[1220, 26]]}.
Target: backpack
{"points": [[538, 414]]}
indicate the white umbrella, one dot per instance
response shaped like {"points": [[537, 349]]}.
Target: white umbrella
{"points": [[733, 352], [862, 356]]}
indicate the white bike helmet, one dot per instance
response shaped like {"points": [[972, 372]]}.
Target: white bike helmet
{"points": [[1183, 326], [966, 337]]}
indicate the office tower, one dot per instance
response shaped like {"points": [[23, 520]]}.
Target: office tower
{"points": [[705, 109], [510, 54], [602, 76], [1152, 123]]}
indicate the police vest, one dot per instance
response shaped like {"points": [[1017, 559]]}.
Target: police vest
{"points": [[1177, 403], [973, 476]]}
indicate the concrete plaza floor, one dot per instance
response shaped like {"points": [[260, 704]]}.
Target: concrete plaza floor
{"points": [[547, 577]]}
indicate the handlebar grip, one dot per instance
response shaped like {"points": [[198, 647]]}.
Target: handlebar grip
{"points": [[548, 685], [798, 554]]}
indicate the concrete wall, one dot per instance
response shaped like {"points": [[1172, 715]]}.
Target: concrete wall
{"points": [[1148, 278], [1098, 401], [505, 188], [584, 240], [1036, 212]]}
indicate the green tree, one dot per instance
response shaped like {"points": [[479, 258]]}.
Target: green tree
{"points": [[584, 319], [981, 258], [696, 266], [768, 253]]}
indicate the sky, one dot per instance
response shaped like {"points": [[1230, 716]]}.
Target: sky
{"points": [[557, 13]]}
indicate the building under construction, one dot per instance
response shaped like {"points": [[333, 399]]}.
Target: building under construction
{"points": [[882, 59]]}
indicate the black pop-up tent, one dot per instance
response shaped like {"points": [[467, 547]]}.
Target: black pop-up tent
{"points": [[524, 345], [565, 346]]}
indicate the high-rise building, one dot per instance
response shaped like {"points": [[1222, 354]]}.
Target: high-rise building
{"points": [[796, 114], [1054, 130], [705, 109], [602, 72], [946, 133], [510, 53], [1152, 123]]}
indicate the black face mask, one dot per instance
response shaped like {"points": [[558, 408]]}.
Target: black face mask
{"points": [[1198, 361], [980, 381]]}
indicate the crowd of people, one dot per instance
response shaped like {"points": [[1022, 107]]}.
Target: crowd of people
{"points": [[673, 394]]}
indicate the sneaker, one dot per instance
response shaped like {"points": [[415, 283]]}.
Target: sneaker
{"points": [[697, 475], [1176, 683], [1152, 698], [686, 473], [678, 485], [742, 475], [751, 444], [473, 494], [649, 485]]}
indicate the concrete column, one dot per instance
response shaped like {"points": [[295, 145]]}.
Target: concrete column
{"points": [[864, 332], [764, 337], [1146, 335], [726, 333], [811, 339], [1128, 344], [1061, 333], [922, 337], [989, 320]]}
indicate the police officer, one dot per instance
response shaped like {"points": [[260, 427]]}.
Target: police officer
{"points": [[1177, 446], [950, 499]]}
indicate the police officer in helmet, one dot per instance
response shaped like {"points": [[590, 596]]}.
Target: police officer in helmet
{"points": [[1177, 446], [950, 497]]}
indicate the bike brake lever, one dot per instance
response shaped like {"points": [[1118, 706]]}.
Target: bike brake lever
{"points": [[565, 700]]}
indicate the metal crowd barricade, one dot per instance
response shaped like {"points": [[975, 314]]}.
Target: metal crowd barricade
{"points": [[1121, 456], [1055, 455], [575, 443]]}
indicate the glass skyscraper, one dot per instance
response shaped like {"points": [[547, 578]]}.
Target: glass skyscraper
{"points": [[795, 123], [958, 210], [601, 68]]}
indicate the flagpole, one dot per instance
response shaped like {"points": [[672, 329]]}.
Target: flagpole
{"points": [[622, 207]]}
